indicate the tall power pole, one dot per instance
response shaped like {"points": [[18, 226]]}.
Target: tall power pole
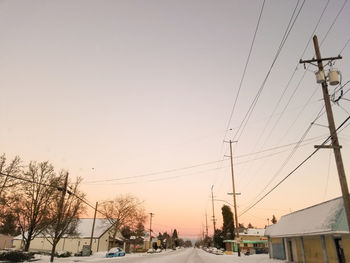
{"points": [[150, 229], [212, 203], [93, 228], [333, 132], [234, 200], [206, 224], [60, 213]]}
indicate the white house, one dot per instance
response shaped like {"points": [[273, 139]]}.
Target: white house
{"points": [[101, 241]]}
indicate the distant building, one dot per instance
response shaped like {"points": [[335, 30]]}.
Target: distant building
{"points": [[251, 239], [102, 238], [315, 234], [5, 241]]}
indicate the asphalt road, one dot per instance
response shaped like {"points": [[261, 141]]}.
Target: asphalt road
{"points": [[190, 255]]}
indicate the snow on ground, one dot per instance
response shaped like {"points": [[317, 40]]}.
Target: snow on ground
{"points": [[189, 255]]}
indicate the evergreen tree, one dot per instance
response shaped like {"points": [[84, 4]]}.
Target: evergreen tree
{"points": [[175, 238], [139, 232], [273, 220], [228, 228], [126, 232], [250, 225], [218, 238], [8, 225]]}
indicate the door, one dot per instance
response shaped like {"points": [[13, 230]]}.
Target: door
{"points": [[339, 249], [290, 250]]}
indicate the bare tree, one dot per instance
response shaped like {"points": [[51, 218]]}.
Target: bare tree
{"points": [[7, 171], [31, 200], [124, 211], [65, 209]]}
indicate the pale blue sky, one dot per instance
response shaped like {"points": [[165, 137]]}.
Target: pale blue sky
{"points": [[135, 87]]}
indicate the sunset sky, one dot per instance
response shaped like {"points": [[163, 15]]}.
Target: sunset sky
{"points": [[136, 96]]}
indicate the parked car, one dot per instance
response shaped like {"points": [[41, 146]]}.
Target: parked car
{"points": [[115, 252]]}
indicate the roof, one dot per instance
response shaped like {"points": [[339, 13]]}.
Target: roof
{"points": [[324, 218], [253, 232], [84, 228]]}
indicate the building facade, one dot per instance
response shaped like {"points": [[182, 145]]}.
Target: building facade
{"points": [[251, 240], [315, 234], [5, 241], [102, 239]]}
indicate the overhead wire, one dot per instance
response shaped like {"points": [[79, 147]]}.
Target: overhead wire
{"points": [[242, 78], [289, 82], [334, 21], [302, 78], [245, 68], [295, 169], [52, 186], [347, 42], [257, 96], [286, 161], [156, 173]]}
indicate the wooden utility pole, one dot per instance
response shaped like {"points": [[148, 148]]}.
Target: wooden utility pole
{"points": [[333, 132], [206, 224], [234, 201], [150, 229], [93, 227], [212, 204], [60, 215]]}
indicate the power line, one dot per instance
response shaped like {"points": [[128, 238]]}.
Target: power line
{"points": [[347, 42], [156, 173], [53, 186], [245, 68], [242, 77], [288, 84], [294, 170], [284, 164], [335, 19], [257, 96]]}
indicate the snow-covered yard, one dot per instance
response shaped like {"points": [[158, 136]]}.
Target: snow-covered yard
{"points": [[189, 255]]}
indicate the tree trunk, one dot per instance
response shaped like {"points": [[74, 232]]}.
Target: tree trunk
{"points": [[54, 243], [27, 244], [29, 239]]}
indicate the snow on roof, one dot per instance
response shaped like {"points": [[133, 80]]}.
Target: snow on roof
{"points": [[324, 218], [84, 228], [253, 232]]}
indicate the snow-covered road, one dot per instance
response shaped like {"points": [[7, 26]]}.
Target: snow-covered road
{"points": [[190, 255]]}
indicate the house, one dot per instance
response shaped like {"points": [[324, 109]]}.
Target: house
{"points": [[102, 239], [251, 239], [5, 241], [254, 240], [315, 234]]}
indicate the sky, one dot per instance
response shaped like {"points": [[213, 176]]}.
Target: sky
{"points": [[136, 97]]}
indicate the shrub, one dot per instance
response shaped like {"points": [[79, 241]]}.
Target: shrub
{"points": [[16, 256], [63, 254]]}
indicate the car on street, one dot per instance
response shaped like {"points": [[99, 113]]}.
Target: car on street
{"points": [[115, 252]]}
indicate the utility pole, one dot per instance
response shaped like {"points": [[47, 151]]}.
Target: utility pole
{"points": [[150, 229], [60, 214], [333, 132], [93, 227], [206, 224], [212, 203], [234, 200]]}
